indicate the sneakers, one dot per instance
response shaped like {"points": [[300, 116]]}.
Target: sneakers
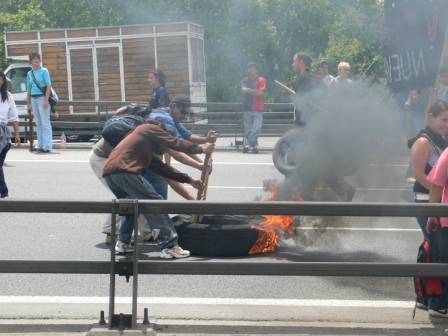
{"points": [[109, 239], [245, 149], [349, 194], [438, 313], [174, 252], [123, 248], [410, 180], [152, 236], [255, 150], [421, 303]]}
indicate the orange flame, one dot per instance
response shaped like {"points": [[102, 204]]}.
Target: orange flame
{"points": [[269, 230]]}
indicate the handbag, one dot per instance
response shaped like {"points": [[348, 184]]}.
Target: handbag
{"points": [[53, 99]]}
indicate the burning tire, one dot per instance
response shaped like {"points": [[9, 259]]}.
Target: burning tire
{"points": [[218, 235]]}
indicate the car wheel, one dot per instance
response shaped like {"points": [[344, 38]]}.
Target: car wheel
{"points": [[78, 138], [218, 235]]}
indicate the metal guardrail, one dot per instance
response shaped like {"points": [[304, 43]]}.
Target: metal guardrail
{"points": [[135, 267], [225, 118]]}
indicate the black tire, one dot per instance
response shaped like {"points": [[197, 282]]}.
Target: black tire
{"points": [[78, 138], [225, 235]]}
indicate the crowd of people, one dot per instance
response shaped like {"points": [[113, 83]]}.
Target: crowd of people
{"points": [[135, 168]]}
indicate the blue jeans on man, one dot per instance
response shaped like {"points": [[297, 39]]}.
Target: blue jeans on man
{"points": [[127, 185], [43, 126], [253, 121]]}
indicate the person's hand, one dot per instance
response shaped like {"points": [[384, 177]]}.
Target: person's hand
{"points": [[29, 110], [46, 103], [196, 183], [208, 148], [211, 136], [17, 140], [431, 224]]}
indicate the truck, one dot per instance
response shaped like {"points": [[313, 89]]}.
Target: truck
{"points": [[110, 63]]}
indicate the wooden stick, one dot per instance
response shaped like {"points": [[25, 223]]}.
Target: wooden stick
{"points": [[287, 89], [202, 191], [284, 87]]}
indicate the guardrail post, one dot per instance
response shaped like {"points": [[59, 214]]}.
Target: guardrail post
{"points": [[124, 208]]}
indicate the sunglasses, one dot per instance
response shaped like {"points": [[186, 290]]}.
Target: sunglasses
{"points": [[183, 111]]}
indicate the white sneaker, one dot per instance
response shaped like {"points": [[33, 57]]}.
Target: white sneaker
{"points": [[174, 252], [123, 248], [438, 313], [410, 180]]}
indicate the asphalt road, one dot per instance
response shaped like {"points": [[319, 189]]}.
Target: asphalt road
{"points": [[236, 177]]}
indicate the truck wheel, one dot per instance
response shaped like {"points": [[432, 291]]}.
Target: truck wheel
{"points": [[218, 235]]}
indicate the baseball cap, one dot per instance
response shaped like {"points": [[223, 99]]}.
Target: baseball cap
{"points": [[184, 103], [166, 121], [322, 63]]}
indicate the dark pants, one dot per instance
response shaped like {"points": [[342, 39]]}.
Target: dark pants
{"points": [[3, 187], [441, 239], [126, 185]]}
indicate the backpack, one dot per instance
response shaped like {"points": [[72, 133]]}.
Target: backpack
{"points": [[117, 127], [427, 287]]}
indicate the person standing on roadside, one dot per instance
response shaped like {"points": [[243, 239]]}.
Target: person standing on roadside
{"points": [[8, 113], [37, 102], [159, 96], [322, 71], [254, 89]]}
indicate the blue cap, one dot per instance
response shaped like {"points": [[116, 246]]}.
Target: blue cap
{"points": [[166, 121]]}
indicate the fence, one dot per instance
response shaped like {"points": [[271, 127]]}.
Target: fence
{"points": [[134, 267], [225, 118]]}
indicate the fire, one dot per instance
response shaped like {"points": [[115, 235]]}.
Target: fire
{"points": [[269, 230]]}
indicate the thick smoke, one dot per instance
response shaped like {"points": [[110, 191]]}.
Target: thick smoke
{"points": [[335, 136]]}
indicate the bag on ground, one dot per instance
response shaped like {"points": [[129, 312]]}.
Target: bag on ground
{"points": [[118, 127]]}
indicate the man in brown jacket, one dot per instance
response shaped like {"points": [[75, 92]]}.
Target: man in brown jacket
{"points": [[123, 174]]}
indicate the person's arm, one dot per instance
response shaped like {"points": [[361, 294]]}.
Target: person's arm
{"points": [[210, 137], [13, 117], [253, 92], [185, 159], [420, 152], [417, 97], [180, 189], [435, 195]]}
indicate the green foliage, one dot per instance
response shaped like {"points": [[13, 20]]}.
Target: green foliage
{"points": [[236, 31]]}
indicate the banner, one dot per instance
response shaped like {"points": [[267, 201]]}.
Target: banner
{"points": [[412, 36]]}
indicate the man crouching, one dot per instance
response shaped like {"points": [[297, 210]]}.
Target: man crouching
{"points": [[123, 174]]}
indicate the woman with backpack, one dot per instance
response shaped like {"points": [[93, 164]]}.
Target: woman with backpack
{"points": [[426, 149]]}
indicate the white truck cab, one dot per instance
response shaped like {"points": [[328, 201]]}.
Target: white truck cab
{"points": [[17, 73]]}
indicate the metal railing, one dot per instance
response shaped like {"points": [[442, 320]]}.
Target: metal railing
{"points": [[135, 267], [225, 118]]}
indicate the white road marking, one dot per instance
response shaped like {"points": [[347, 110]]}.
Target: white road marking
{"points": [[357, 229], [210, 301]]}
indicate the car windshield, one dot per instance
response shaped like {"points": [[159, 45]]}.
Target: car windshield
{"points": [[18, 79]]}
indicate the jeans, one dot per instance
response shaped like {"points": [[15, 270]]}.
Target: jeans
{"points": [[158, 183], [43, 125], [422, 221], [253, 120], [97, 164], [441, 238], [3, 187], [126, 185]]}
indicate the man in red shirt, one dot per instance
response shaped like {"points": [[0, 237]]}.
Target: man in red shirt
{"points": [[254, 88]]}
